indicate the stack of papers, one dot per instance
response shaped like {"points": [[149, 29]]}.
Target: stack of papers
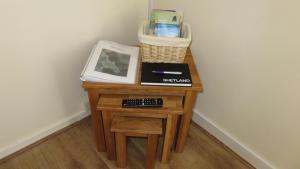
{"points": [[111, 62], [165, 23]]}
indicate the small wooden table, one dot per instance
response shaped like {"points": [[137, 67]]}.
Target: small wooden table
{"points": [[189, 96]]}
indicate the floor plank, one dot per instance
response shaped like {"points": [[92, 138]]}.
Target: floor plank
{"points": [[74, 148]]}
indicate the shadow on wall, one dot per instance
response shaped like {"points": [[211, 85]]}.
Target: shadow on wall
{"points": [[68, 67], [125, 33], [67, 70]]}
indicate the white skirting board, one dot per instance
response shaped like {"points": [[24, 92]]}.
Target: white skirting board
{"points": [[231, 142], [18, 145]]}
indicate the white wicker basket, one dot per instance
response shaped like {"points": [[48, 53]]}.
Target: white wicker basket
{"points": [[164, 49]]}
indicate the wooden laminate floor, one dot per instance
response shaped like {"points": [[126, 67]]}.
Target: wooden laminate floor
{"points": [[74, 148]]}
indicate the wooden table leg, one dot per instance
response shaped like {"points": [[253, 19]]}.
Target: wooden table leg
{"points": [[169, 137], [121, 148], [109, 136], [189, 103], [151, 150], [96, 120]]}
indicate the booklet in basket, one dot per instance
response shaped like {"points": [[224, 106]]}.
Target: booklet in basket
{"points": [[112, 63]]}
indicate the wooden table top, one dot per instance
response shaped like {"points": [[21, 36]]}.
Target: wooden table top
{"points": [[196, 82]]}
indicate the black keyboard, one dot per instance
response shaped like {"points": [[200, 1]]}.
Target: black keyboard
{"points": [[142, 102]]}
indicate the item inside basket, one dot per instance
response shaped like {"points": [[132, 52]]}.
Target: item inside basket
{"points": [[164, 23]]}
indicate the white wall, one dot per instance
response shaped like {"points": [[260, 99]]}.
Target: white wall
{"points": [[247, 53], [43, 48]]}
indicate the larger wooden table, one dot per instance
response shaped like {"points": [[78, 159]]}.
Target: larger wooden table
{"points": [[95, 90]]}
